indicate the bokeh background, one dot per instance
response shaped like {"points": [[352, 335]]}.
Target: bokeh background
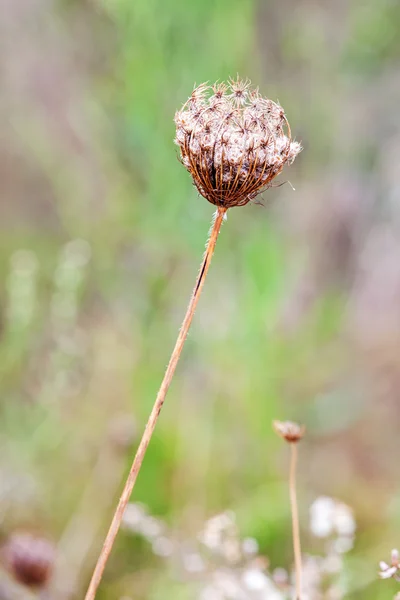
{"points": [[101, 234]]}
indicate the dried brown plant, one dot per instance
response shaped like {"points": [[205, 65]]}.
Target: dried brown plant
{"points": [[233, 143], [292, 433]]}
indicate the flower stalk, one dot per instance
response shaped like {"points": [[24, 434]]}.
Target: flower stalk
{"points": [[293, 433], [151, 423], [295, 519], [234, 143]]}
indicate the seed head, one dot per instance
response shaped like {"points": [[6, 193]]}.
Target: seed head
{"points": [[233, 141], [289, 431], [30, 558]]}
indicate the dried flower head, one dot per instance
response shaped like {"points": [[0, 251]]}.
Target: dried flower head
{"points": [[392, 570], [233, 141], [30, 558], [289, 431]]}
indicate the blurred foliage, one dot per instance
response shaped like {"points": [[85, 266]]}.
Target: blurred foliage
{"points": [[101, 236]]}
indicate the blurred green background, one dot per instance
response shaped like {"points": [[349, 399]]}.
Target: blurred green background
{"points": [[101, 237]]}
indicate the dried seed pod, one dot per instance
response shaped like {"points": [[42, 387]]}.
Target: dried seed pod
{"points": [[30, 558], [233, 141], [289, 431]]}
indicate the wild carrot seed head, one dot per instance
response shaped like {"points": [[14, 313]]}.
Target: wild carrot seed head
{"points": [[233, 141]]}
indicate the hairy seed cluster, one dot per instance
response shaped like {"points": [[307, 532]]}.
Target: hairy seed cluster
{"points": [[233, 141]]}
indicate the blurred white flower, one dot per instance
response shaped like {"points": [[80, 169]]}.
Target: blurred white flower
{"points": [[193, 562], [133, 516], [255, 580], [321, 516], [151, 527], [343, 544], [250, 546], [328, 516], [216, 528], [344, 520]]}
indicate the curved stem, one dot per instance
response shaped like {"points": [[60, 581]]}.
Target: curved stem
{"points": [[151, 423], [295, 519]]}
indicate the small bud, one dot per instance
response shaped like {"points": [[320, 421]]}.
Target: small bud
{"points": [[30, 558], [289, 431]]}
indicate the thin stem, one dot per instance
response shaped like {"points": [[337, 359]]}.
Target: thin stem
{"points": [[295, 519], [151, 423]]}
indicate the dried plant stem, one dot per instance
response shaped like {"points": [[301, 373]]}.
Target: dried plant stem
{"points": [[151, 423], [295, 519]]}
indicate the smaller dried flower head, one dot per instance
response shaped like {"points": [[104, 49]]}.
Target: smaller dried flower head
{"points": [[289, 431], [233, 141], [30, 558], [391, 570]]}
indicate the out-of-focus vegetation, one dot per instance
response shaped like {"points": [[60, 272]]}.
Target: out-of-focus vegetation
{"points": [[101, 236]]}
